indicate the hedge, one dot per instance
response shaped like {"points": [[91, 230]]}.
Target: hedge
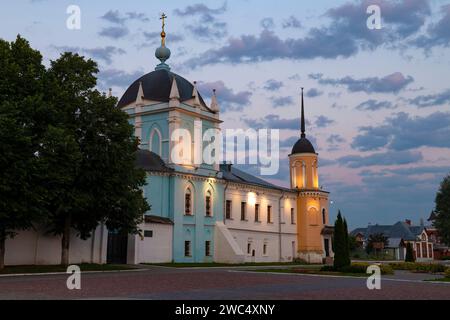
{"points": [[418, 267]]}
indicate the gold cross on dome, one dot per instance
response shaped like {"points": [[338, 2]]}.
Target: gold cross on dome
{"points": [[163, 17]]}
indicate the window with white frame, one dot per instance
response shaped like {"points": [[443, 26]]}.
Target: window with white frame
{"points": [[188, 202]]}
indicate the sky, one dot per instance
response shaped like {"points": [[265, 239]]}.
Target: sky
{"points": [[377, 100]]}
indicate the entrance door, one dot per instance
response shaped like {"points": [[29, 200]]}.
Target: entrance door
{"points": [[327, 247], [117, 247]]}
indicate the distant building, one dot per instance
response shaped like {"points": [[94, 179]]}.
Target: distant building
{"points": [[399, 235], [440, 249]]}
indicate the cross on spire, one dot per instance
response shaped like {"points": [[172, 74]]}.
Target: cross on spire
{"points": [[163, 17], [163, 33]]}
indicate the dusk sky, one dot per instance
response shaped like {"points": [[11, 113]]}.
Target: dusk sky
{"points": [[377, 101]]}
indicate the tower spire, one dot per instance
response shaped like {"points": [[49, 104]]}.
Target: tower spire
{"points": [[163, 53], [303, 135]]}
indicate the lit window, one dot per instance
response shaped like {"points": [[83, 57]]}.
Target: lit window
{"points": [[208, 204], [188, 202]]}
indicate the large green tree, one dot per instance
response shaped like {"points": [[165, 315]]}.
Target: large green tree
{"points": [[442, 210], [340, 244], [90, 150], [22, 123], [67, 154]]}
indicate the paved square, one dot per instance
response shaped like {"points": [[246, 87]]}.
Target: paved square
{"points": [[218, 283]]}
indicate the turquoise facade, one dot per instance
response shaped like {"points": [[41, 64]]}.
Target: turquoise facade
{"points": [[165, 192]]}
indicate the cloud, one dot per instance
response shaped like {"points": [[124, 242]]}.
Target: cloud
{"points": [[439, 170], [374, 105], [438, 34], [227, 98], [100, 53], [274, 121], [402, 132], [273, 85], [381, 159], [114, 32], [267, 23], [200, 9], [335, 139], [391, 83], [208, 27], [323, 121], [281, 101], [292, 22], [344, 36], [313, 92], [288, 143], [117, 78], [216, 30], [431, 100], [117, 18]]}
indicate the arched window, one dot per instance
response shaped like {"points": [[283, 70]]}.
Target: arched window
{"points": [[188, 202], [303, 174], [155, 141], [294, 175], [324, 216], [208, 204]]}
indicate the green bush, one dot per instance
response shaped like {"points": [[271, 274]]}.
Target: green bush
{"points": [[358, 267], [418, 267], [327, 268], [299, 261], [447, 273]]}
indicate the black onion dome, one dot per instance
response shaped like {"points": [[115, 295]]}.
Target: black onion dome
{"points": [[156, 86], [303, 145]]}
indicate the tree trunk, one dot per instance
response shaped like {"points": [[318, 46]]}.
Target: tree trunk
{"points": [[2, 249], [65, 241]]}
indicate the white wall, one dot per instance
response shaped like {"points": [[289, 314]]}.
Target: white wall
{"points": [[37, 248], [263, 232], [155, 249]]}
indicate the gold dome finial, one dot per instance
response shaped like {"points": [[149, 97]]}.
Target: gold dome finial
{"points": [[163, 33]]}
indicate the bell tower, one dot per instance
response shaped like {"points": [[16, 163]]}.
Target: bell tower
{"points": [[312, 202]]}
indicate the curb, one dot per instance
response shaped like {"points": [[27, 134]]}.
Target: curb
{"points": [[10, 275]]}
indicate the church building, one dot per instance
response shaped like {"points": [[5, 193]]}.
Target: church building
{"points": [[206, 213], [199, 212]]}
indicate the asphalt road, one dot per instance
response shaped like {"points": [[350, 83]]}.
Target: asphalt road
{"points": [[215, 284]]}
